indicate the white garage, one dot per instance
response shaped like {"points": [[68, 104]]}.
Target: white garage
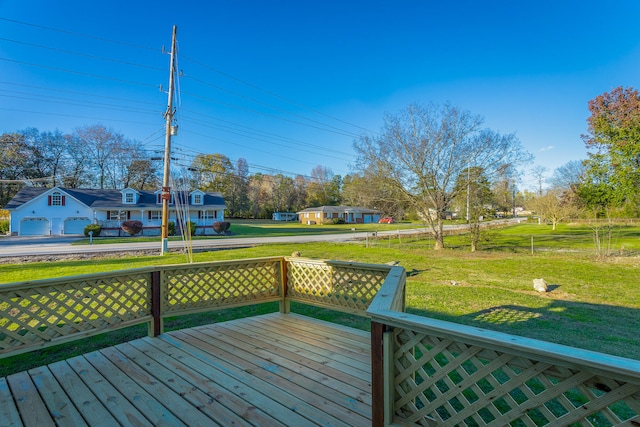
{"points": [[76, 225], [34, 227]]}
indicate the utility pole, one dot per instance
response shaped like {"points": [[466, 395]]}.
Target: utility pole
{"points": [[168, 116]]}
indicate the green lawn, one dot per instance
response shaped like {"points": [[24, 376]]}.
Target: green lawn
{"points": [[593, 303], [263, 228]]}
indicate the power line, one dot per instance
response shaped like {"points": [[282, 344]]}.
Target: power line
{"points": [[78, 93], [242, 132], [78, 34], [76, 116], [101, 58], [43, 98], [266, 114], [275, 95], [76, 72], [324, 154], [334, 129]]}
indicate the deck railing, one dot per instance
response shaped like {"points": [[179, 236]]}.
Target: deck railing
{"points": [[434, 373], [42, 313], [424, 371]]}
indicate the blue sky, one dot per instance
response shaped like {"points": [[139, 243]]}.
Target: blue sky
{"points": [[288, 85]]}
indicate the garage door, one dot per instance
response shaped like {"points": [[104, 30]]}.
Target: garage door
{"points": [[75, 225], [34, 227]]}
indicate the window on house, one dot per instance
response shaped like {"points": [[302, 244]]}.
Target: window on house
{"points": [[117, 215], [128, 198], [155, 215], [209, 215], [56, 199], [197, 199]]}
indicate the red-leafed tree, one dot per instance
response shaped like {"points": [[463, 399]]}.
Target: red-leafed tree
{"points": [[614, 143]]}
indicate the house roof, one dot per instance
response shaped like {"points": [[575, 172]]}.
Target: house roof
{"points": [[340, 209], [108, 199]]}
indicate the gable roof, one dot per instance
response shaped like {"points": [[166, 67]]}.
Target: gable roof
{"points": [[26, 194], [106, 199]]}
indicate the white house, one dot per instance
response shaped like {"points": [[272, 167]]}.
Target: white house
{"points": [[284, 216], [57, 211]]}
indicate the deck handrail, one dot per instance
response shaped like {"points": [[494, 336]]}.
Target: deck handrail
{"points": [[432, 372], [42, 313]]}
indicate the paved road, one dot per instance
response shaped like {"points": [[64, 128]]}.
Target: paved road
{"points": [[56, 245], [60, 245]]}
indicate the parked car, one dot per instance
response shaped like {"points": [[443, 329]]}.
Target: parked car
{"points": [[386, 220]]}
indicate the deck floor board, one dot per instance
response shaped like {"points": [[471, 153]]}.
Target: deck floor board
{"points": [[269, 370]]}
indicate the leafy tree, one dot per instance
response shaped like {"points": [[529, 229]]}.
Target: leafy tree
{"points": [[299, 195], [237, 194], [212, 172], [323, 188], [424, 148], [259, 193], [141, 174], [600, 191], [614, 140], [554, 206]]}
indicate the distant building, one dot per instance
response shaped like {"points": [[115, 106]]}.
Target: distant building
{"points": [[350, 215], [284, 216]]}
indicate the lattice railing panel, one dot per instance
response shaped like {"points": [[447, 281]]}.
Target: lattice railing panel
{"points": [[60, 308], [220, 285], [342, 286], [439, 381]]}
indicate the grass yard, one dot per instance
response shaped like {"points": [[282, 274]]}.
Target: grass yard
{"points": [[264, 227], [593, 303]]}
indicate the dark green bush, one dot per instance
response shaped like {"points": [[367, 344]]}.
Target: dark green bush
{"points": [[4, 226], [171, 228], [338, 221], [92, 227]]}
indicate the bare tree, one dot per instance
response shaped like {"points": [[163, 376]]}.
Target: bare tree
{"points": [[569, 175], [538, 173], [424, 148], [102, 145]]}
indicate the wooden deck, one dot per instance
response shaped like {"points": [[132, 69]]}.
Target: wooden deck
{"points": [[270, 370]]}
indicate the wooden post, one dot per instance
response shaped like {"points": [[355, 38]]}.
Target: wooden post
{"points": [[285, 307], [377, 374], [156, 328]]}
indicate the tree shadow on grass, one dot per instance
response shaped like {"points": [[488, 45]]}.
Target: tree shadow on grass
{"points": [[596, 327]]}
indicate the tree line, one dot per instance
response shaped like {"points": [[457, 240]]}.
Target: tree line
{"points": [[99, 157], [427, 162]]}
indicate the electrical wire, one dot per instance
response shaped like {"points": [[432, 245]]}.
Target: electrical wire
{"points": [[245, 131]]}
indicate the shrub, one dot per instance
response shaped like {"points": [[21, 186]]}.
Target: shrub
{"points": [[171, 228], [4, 226], [192, 228], [220, 227], [92, 227], [338, 221], [132, 227]]}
